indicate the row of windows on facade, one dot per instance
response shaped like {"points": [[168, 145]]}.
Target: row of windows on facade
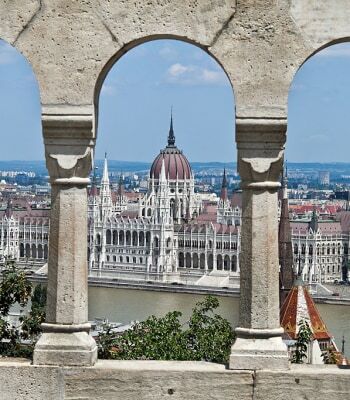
{"points": [[189, 261], [33, 251], [25, 235], [323, 249], [140, 239]]}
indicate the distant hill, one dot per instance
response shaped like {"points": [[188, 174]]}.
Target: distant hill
{"points": [[39, 167]]}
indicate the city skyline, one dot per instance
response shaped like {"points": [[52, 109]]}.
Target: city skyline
{"points": [[142, 86]]}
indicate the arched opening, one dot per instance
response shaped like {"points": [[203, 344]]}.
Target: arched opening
{"points": [[134, 238], [115, 237], [40, 251], [128, 238], [21, 250], [234, 263], [210, 261], [195, 260], [46, 251], [219, 262], [121, 238], [188, 260], [142, 238], [27, 250], [34, 254], [202, 261], [181, 260], [108, 236]]}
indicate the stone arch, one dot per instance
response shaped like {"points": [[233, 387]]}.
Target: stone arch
{"points": [[156, 242], [142, 40]]}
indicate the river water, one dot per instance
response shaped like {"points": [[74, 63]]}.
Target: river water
{"points": [[124, 305]]}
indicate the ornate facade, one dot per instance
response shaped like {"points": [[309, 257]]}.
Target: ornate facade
{"points": [[172, 231]]}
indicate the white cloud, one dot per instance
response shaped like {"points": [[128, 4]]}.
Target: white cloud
{"points": [[194, 75]]}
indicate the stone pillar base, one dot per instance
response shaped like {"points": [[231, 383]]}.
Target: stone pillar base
{"points": [[62, 345], [259, 349]]}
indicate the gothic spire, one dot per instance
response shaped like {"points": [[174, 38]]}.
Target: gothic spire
{"points": [[285, 248], [105, 177], [223, 194], [171, 136]]}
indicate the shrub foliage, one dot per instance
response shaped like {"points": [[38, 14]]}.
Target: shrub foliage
{"points": [[207, 336]]}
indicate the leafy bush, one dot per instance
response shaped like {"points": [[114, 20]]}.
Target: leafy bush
{"points": [[303, 340], [207, 337], [15, 288]]}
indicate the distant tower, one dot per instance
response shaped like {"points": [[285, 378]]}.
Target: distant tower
{"points": [[223, 194], [285, 248]]}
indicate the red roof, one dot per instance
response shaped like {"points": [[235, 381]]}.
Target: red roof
{"points": [[175, 163], [300, 305]]}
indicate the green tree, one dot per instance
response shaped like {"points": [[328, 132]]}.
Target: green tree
{"points": [[14, 288], [208, 337], [303, 339], [31, 323]]}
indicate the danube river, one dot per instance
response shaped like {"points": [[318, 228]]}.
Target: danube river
{"points": [[124, 305]]}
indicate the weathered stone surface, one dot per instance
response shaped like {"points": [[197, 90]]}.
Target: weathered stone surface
{"points": [[131, 380], [261, 44], [20, 381], [303, 382], [260, 156]]}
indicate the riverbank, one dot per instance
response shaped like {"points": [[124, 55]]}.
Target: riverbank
{"points": [[343, 299]]}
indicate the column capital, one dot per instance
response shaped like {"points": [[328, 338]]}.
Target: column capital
{"points": [[69, 141], [260, 144]]}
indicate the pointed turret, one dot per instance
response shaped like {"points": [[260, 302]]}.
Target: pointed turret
{"points": [[120, 191], [314, 220], [285, 248], [105, 177], [162, 177], [223, 194], [8, 211], [171, 135]]}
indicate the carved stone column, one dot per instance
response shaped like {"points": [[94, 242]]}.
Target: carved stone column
{"points": [[259, 345], [69, 145]]}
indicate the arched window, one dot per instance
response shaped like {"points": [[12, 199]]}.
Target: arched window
{"points": [[234, 263], [202, 261], [134, 238], [310, 249], [121, 238], [115, 237], [108, 237], [46, 251], [21, 250], [40, 251], [148, 238], [181, 260], [34, 255], [141, 239], [188, 260], [295, 248], [227, 263], [156, 242], [219, 262], [128, 238], [210, 262], [28, 250], [195, 260]]}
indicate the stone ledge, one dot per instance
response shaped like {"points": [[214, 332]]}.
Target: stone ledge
{"points": [[134, 380]]}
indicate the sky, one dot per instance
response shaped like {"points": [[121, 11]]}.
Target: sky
{"points": [[140, 89]]}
